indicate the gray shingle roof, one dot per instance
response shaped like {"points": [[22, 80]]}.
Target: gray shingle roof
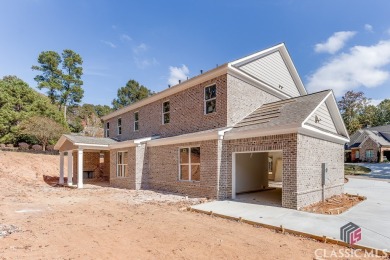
{"points": [[284, 113], [90, 140], [377, 137]]}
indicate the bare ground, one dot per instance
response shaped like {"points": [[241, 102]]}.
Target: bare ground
{"points": [[45, 222]]}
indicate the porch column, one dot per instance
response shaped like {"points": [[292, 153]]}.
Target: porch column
{"points": [[80, 168], [70, 167], [61, 168]]}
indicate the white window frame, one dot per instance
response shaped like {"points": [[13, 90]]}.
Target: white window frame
{"points": [[119, 126], [136, 121], [370, 152], [123, 165], [357, 154], [205, 101], [189, 164], [107, 129], [163, 113]]}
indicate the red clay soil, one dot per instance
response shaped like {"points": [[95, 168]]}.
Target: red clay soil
{"points": [[335, 205], [46, 222]]}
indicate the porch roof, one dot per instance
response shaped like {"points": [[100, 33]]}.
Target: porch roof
{"points": [[70, 142]]}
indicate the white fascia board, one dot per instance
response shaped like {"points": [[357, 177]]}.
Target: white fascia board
{"points": [[60, 142], [254, 82], [316, 108], [222, 133], [256, 55], [170, 91], [314, 132], [336, 112], [92, 147], [260, 132], [124, 144], [184, 139]]}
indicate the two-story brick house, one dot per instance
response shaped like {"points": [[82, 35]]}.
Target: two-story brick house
{"points": [[226, 131]]}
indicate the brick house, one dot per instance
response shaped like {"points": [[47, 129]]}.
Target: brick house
{"points": [[371, 144], [230, 130]]}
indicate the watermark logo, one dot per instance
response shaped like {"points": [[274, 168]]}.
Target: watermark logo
{"points": [[350, 233]]}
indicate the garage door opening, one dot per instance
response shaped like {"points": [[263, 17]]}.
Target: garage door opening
{"points": [[257, 177]]}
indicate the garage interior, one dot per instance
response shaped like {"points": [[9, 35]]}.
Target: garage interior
{"points": [[258, 178]]}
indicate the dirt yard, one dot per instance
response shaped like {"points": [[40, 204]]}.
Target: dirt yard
{"points": [[45, 222]]}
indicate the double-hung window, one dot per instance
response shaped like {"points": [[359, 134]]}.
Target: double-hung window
{"points": [[369, 154], [189, 164], [357, 154], [210, 99], [166, 115], [121, 164], [108, 129], [119, 126], [136, 118]]}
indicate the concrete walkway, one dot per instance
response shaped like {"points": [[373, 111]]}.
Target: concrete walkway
{"points": [[372, 215]]}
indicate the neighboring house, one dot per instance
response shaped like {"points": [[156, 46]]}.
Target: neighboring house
{"points": [[226, 131], [371, 144]]}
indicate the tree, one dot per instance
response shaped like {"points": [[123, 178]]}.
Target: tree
{"points": [[43, 129], [384, 112], [51, 77], [18, 102], [370, 116], [351, 106], [130, 94], [63, 84], [71, 91]]}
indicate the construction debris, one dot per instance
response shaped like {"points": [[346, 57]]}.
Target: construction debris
{"points": [[335, 205], [6, 230]]}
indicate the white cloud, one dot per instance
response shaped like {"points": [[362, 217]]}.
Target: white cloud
{"points": [[334, 42], [140, 48], [109, 44], [177, 73], [368, 27], [361, 66], [144, 63], [125, 37]]}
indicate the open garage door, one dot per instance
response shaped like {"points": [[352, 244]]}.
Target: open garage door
{"points": [[257, 177]]}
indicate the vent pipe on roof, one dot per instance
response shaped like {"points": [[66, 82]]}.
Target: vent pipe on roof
{"points": [[169, 85], [179, 81], [201, 71]]}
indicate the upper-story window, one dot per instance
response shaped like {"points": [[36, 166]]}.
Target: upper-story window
{"points": [[119, 126], [136, 118], [108, 129], [210, 99], [166, 115]]}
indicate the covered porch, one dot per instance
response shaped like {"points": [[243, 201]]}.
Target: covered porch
{"points": [[88, 158]]}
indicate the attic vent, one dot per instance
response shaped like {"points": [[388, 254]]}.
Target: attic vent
{"points": [[280, 86], [317, 119]]}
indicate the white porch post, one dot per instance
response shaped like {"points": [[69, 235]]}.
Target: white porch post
{"points": [[80, 168], [70, 167], [61, 168]]}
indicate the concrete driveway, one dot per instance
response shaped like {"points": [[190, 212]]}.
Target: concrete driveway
{"points": [[378, 170], [372, 215]]}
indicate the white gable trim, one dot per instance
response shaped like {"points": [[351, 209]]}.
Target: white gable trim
{"points": [[317, 133], [366, 138], [334, 113], [286, 58]]}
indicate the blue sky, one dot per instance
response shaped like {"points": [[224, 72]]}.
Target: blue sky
{"points": [[341, 45]]}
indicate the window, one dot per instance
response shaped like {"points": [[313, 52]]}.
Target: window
{"points": [[357, 154], [108, 129], [270, 160], [210, 99], [136, 127], [369, 154], [119, 126], [166, 115], [189, 164], [121, 164]]}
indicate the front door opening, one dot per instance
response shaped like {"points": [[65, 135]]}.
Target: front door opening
{"points": [[257, 177]]}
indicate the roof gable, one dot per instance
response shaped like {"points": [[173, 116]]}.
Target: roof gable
{"points": [[322, 119], [274, 69]]}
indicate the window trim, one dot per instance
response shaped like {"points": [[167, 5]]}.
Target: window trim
{"points": [[136, 112], [107, 132], [119, 126], [122, 165], [357, 152], [370, 152], [205, 101], [163, 113], [189, 163]]}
